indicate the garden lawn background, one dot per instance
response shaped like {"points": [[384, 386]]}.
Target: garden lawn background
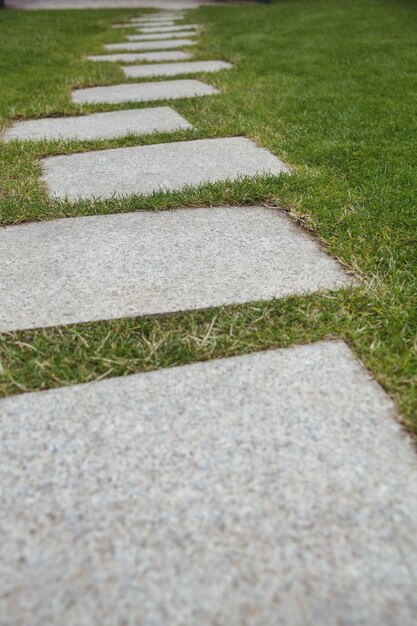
{"points": [[330, 87]]}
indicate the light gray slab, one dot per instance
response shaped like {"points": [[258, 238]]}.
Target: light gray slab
{"points": [[103, 267], [165, 44], [262, 490], [150, 57], [157, 37], [150, 23], [168, 29], [167, 166], [175, 69], [135, 24], [99, 125], [156, 20], [143, 92]]}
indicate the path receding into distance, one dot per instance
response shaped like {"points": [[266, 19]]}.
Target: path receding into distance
{"points": [[264, 489]]}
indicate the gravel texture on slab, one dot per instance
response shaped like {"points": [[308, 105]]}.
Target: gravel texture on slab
{"points": [[143, 92], [164, 44], [90, 268], [98, 125], [266, 489], [164, 166], [150, 57], [168, 29], [175, 69], [157, 37]]}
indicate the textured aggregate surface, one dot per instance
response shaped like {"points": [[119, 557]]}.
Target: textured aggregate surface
{"points": [[165, 44], [156, 37], [175, 69], [168, 29], [90, 268], [273, 488], [143, 92], [165, 166], [150, 57], [99, 125]]}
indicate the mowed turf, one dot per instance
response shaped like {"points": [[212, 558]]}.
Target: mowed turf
{"points": [[329, 87]]}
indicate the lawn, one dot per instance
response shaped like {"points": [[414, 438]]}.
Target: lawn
{"points": [[330, 87]]}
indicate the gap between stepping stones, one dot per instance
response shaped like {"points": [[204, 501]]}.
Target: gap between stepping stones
{"points": [[165, 166], [283, 468], [150, 57], [110, 266], [99, 125], [143, 92], [165, 44], [174, 69]]}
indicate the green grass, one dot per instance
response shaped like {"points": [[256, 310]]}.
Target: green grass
{"points": [[330, 87]]}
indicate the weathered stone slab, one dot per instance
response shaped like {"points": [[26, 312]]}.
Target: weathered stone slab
{"points": [[175, 69], [153, 24], [158, 36], [150, 57], [165, 44], [156, 20], [167, 166], [271, 488], [168, 29], [143, 92], [102, 267], [99, 125]]}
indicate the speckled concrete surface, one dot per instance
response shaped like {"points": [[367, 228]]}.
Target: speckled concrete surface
{"points": [[143, 92], [167, 166], [175, 69], [91, 268], [264, 490], [98, 125], [164, 44], [134, 57], [156, 37], [167, 29]]}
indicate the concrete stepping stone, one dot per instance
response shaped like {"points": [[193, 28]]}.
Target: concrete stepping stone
{"points": [[156, 20], [271, 488], [102, 267], [174, 69], [98, 125], [165, 44], [169, 29], [158, 36], [143, 92], [150, 57], [154, 24], [166, 166]]}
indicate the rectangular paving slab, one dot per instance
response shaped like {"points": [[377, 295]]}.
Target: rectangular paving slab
{"points": [[150, 57], [267, 489], [98, 125], [102, 267], [157, 37], [164, 44], [168, 29], [143, 92], [175, 69], [166, 166]]}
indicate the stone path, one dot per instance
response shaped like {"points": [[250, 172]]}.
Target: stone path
{"points": [[271, 488], [175, 69], [143, 92], [99, 125], [167, 166], [267, 489], [91, 268]]}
